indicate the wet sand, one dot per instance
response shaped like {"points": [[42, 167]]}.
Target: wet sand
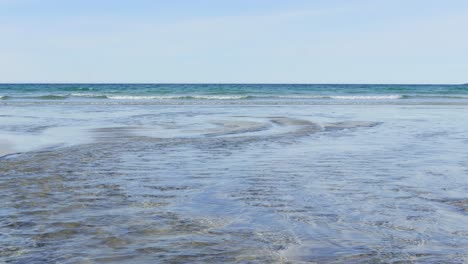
{"points": [[219, 184], [5, 148]]}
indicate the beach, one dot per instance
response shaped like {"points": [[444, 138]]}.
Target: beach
{"points": [[234, 174]]}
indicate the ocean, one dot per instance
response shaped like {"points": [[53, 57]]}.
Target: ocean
{"points": [[233, 173], [161, 93]]}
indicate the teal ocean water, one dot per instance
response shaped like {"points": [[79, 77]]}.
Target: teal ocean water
{"points": [[219, 173], [259, 92]]}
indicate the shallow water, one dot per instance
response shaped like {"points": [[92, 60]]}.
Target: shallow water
{"points": [[217, 182]]}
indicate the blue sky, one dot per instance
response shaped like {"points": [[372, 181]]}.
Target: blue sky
{"points": [[234, 41]]}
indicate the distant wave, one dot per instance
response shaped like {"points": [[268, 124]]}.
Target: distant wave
{"points": [[366, 97], [239, 97], [458, 96], [54, 97], [89, 95], [50, 97], [233, 97], [41, 97], [375, 97], [130, 97], [180, 97], [79, 89]]}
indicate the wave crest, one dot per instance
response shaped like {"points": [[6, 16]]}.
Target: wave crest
{"points": [[88, 95], [180, 97], [367, 97], [228, 97]]}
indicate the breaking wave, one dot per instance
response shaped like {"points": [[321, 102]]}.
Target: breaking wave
{"points": [[367, 97], [179, 97], [131, 97]]}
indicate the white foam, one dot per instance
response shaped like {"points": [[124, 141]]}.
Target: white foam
{"points": [[303, 96], [232, 97], [219, 97], [342, 97], [87, 95], [366, 97], [162, 97], [141, 97]]}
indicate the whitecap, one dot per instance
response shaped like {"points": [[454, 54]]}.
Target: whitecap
{"points": [[168, 97], [367, 97]]}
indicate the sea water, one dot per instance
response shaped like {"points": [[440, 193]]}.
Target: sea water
{"points": [[209, 173]]}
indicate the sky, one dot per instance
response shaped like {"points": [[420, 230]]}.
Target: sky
{"points": [[234, 41]]}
